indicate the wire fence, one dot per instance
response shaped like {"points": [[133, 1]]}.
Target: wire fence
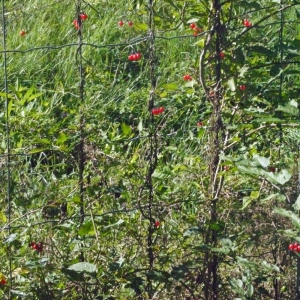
{"points": [[85, 164]]}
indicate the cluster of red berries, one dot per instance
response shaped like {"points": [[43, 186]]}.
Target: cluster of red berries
{"points": [[187, 77], [135, 56], [294, 247], [247, 23], [83, 17], [242, 87], [157, 111], [3, 281], [121, 23], [156, 224], [195, 28], [36, 246]]}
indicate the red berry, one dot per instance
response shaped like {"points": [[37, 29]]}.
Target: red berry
{"points": [[272, 169], [3, 281], [226, 168], [130, 23], [291, 247], [22, 32], [197, 29], [83, 16], [187, 77], [75, 23], [39, 247], [222, 55], [242, 87], [131, 57], [297, 249], [157, 111], [161, 110], [246, 22], [295, 246], [121, 23], [156, 224], [192, 26], [138, 56], [199, 124], [195, 33], [134, 56]]}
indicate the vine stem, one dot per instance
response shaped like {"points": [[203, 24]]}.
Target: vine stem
{"points": [[8, 152], [153, 142]]}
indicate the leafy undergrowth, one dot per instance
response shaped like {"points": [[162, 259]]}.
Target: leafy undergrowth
{"points": [[104, 198]]}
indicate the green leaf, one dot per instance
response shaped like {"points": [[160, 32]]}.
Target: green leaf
{"points": [[9, 96], [192, 231], [250, 170], [246, 202], [221, 250], [254, 195], [297, 203], [37, 150], [193, 20], [76, 199], [3, 217], [171, 86], [200, 43], [141, 26], [163, 94], [263, 161], [86, 229], [277, 196], [61, 138], [243, 71], [281, 177], [73, 275], [140, 125], [83, 267], [126, 129], [294, 103], [121, 221], [10, 238], [267, 120], [161, 175], [250, 290], [261, 50], [288, 109], [270, 267], [287, 213], [231, 84]]}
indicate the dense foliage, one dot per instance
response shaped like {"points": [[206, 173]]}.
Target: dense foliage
{"points": [[149, 149]]}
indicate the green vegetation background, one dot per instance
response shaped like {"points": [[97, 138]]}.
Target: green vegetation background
{"points": [[106, 255]]}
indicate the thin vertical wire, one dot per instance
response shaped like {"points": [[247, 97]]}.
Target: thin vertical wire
{"points": [[281, 66], [7, 125], [81, 156]]}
